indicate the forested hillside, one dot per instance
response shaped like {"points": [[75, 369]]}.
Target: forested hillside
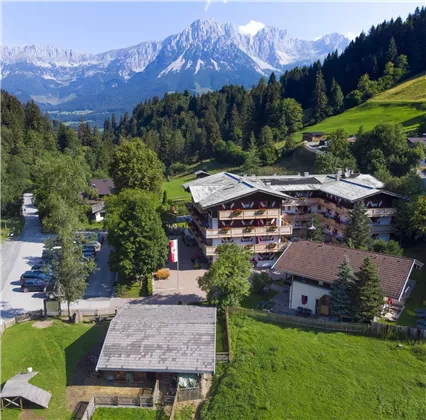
{"points": [[183, 128]]}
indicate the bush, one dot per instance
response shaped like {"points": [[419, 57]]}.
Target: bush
{"points": [[259, 281], [149, 286], [178, 168], [162, 274]]}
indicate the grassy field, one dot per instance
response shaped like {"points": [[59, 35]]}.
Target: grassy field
{"points": [[53, 352], [417, 298], [286, 373], [128, 414], [13, 225], [404, 104]]}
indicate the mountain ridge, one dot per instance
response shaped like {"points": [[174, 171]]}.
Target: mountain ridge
{"points": [[204, 56]]}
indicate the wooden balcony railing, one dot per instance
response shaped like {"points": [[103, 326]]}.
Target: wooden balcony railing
{"points": [[257, 248], [378, 228], [239, 232], [249, 214], [381, 212], [293, 217]]}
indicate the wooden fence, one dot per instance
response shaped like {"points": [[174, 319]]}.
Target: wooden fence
{"points": [[123, 401], [228, 336], [174, 406], [27, 316], [376, 329], [222, 357], [90, 409], [188, 394]]}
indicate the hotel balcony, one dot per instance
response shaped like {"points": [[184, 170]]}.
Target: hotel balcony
{"points": [[381, 212], [239, 232], [293, 217], [302, 202], [242, 214], [255, 249], [378, 228]]}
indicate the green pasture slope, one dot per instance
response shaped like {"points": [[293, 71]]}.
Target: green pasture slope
{"points": [[404, 104]]}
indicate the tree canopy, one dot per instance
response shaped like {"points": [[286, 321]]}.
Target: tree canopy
{"points": [[227, 280]]}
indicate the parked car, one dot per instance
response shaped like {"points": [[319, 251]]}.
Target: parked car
{"points": [[54, 291], [41, 266], [35, 275], [96, 245], [34, 286], [305, 312]]}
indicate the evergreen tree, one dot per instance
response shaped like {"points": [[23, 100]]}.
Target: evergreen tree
{"points": [[252, 162], [341, 290], [319, 99], [392, 51], [368, 294], [357, 232], [336, 97]]}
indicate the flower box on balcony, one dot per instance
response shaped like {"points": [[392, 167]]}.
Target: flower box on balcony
{"points": [[226, 229], [260, 211], [237, 212], [302, 198], [249, 229], [271, 246], [249, 246], [272, 228]]}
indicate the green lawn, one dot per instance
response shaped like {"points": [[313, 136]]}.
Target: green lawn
{"points": [[286, 373], [95, 226], [13, 225], [186, 413], [417, 298], [251, 301], [127, 289], [174, 187], [221, 338], [128, 414], [53, 352]]}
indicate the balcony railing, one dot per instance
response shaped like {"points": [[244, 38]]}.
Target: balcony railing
{"points": [[302, 202], [255, 249], [249, 214], [298, 217], [248, 231], [378, 228], [381, 212]]}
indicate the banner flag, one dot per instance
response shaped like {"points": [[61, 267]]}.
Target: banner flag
{"points": [[173, 248]]}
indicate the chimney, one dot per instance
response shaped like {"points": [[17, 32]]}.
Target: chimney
{"points": [[305, 174], [338, 174]]}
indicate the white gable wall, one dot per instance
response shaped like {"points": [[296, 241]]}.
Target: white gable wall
{"points": [[299, 289]]}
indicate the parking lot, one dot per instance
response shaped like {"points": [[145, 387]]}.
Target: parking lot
{"points": [[19, 255]]}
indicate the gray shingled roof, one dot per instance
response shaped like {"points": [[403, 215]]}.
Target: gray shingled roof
{"points": [[18, 386], [160, 338]]}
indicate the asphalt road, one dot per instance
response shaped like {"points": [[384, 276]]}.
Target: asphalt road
{"points": [[18, 255]]}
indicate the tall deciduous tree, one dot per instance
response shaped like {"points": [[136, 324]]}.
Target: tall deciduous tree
{"points": [[135, 233], [368, 293], [319, 99], [71, 272], [134, 166], [341, 290], [357, 232], [226, 282]]}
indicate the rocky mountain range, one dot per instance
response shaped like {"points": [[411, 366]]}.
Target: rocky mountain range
{"points": [[204, 56]]}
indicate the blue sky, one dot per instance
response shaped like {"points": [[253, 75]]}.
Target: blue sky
{"points": [[96, 27]]}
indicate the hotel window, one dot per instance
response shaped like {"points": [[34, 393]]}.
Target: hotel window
{"points": [[249, 239], [304, 299]]}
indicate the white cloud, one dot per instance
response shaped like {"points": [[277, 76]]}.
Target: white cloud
{"points": [[209, 2], [350, 35], [252, 28]]}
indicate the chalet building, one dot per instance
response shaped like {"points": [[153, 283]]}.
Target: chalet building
{"points": [[264, 213], [103, 188], [159, 347], [313, 136], [227, 208], [312, 268]]}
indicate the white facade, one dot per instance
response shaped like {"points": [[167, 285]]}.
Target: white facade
{"points": [[299, 289]]}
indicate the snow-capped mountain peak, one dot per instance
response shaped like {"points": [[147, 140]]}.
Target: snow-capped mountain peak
{"points": [[204, 56]]}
